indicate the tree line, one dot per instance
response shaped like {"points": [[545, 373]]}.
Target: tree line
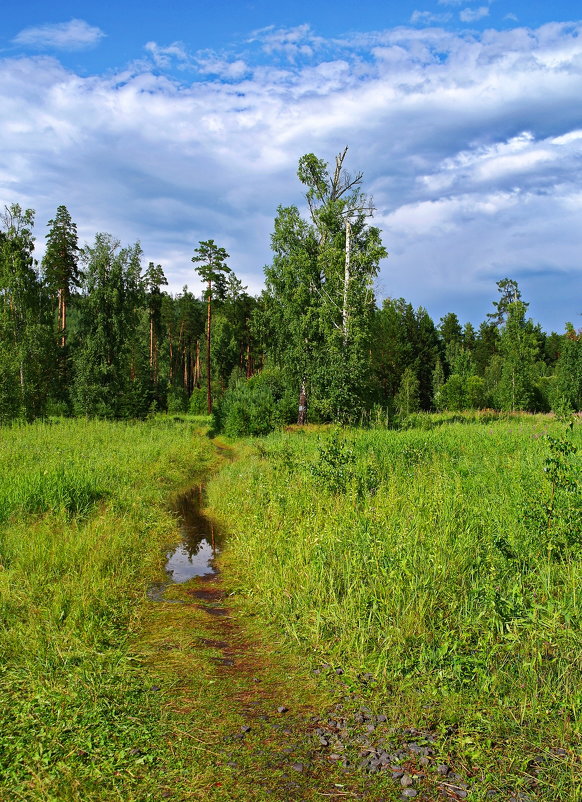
{"points": [[91, 331]]}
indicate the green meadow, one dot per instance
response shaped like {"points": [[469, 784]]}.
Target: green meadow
{"points": [[84, 518], [446, 560]]}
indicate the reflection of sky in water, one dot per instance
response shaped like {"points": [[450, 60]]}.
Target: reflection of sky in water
{"points": [[200, 540], [184, 563]]}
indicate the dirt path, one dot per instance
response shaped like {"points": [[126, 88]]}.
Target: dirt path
{"points": [[246, 719], [240, 714]]}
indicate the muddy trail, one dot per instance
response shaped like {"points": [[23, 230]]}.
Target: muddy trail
{"points": [[246, 719]]}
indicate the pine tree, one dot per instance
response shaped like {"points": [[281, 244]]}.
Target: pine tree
{"points": [[211, 268], [60, 264]]}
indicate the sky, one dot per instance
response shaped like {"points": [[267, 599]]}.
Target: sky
{"points": [[179, 123]]}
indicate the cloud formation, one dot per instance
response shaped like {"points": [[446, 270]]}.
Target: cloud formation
{"points": [[73, 35], [471, 145], [473, 14]]}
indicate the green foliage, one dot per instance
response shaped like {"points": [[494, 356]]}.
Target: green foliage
{"points": [[60, 261], [554, 513], [477, 396], [106, 363], [333, 469], [403, 338], [519, 351], [319, 295], [197, 403], [453, 394], [255, 406], [407, 398], [566, 393]]}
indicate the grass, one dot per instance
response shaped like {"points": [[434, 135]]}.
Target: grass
{"points": [[84, 519], [446, 561]]}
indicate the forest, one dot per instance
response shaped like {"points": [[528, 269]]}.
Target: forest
{"points": [[90, 331]]}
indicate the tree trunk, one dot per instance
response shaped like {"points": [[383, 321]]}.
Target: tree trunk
{"points": [[345, 307], [249, 362], [151, 341], [197, 365], [208, 325], [302, 417]]}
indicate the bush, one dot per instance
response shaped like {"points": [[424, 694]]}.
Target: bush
{"points": [[198, 404], [255, 406]]}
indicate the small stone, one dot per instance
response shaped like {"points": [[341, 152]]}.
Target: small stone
{"points": [[282, 709], [155, 687], [298, 767], [166, 794], [406, 780], [317, 670], [334, 756], [408, 793], [339, 671], [424, 761], [245, 728], [381, 718], [324, 741], [443, 769], [461, 793], [370, 728]]}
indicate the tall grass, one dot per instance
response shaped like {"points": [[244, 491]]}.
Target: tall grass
{"points": [[413, 555], [83, 519]]}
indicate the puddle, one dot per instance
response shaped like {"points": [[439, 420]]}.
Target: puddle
{"points": [[200, 544], [195, 554]]}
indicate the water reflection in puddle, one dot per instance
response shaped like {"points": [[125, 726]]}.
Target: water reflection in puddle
{"points": [[200, 541]]}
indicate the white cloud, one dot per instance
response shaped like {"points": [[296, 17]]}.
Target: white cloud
{"points": [[470, 143], [299, 41], [429, 18], [473, 14], [73, 35], [164, 57]]}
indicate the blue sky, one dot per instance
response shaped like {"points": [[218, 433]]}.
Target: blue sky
{"points": [[171, 125]]}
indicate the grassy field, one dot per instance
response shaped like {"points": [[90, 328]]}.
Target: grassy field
{"points": [[445, 560], [83, 522]]}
